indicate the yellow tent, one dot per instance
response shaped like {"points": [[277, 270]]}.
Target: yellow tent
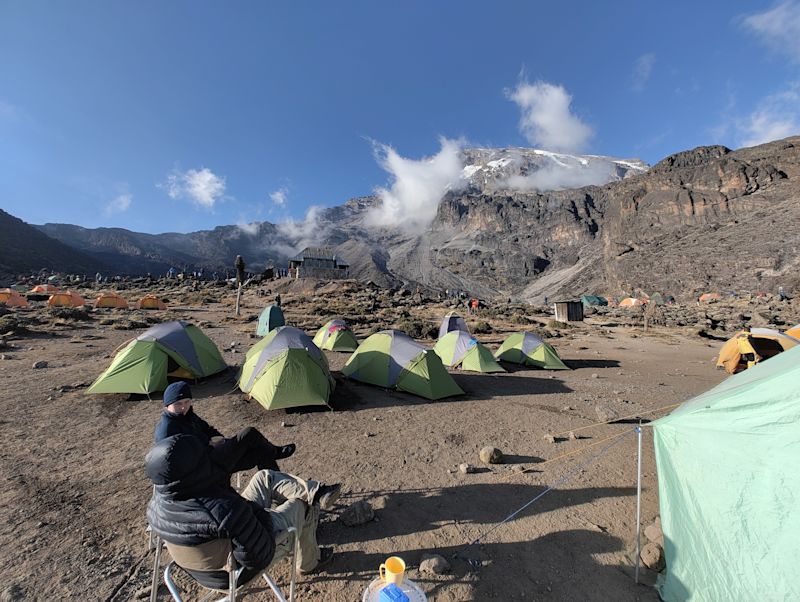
{"points": [[12, 298], [67, 299], [110, 300], [45, 288], [745, 349], [150, 302], [794, 331]]}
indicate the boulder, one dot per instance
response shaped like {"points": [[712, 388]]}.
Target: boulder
{"points": [[652, 556], [434, 564], [491, 455], [605, 413], [357, 513]]}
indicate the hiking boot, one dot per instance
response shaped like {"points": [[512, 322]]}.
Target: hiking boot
{"points": [[325, 557], [284, 451], [327, 495]]}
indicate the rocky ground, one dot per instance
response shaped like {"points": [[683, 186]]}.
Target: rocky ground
{"points": [[73, 504]]}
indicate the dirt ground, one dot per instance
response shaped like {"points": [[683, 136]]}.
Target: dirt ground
{"points": [[74, 495]]}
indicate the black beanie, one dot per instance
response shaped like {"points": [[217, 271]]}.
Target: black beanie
{"points": [[176, 392]]}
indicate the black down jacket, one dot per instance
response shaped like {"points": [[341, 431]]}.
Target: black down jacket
{"points": [[193, 503]]}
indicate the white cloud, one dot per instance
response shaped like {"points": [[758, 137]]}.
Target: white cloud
{"points": [[308, 232], [778, 28], [642, 70], [251, 228], [777, 116], [546, 119], [417, 186], [556, 177], [202, 187], [119, 204], [280, 196]]}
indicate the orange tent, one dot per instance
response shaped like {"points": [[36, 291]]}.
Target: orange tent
{"points": [[746, 348], [67, 299], [706, 297], [12, 298], [794, 331], [110, 300], [150, 302], [631, 302], [45, 288]]}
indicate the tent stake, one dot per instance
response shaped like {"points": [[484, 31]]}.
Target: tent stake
{"points": [[638, 496]]}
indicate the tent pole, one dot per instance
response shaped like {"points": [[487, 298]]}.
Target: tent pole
{"points": [[638, 497], [238, 294]]}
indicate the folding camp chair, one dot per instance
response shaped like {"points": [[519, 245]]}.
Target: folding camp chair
{"points": [[234, 573]]}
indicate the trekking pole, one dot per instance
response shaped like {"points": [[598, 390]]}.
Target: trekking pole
{"points": [[638, 497], [238, 295]]}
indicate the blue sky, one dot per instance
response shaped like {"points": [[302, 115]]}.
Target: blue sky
{"points": [[180, 116]]}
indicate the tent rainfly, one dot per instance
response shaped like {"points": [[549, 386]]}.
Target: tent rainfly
{"points": [[336, 336], [458, 349], [11, 298], [529, 350], [170, 349], [452, 321], [150, 301], [728, 488], [286, 369], [66, 299], [270, 319], [110, 299], [391, 358], [747, 348]]}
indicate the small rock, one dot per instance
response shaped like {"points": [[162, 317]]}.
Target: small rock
{"points": [[232, 345], [491, 455], [434, 563], [369, 434], [3, 356], [652, 556], [12, 593], [466, 468], [567, 409], [595, 375], [572, 436], [653, 532], [605, 414], [357, 513], [142, 593], [40, 364], [549, 438]]}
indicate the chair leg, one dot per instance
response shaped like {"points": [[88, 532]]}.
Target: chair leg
{"points": [[171, 586], [295, 556], [156, 567]]}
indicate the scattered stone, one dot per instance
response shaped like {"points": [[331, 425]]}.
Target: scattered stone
{"points": [[652, 556], [39, 365], [369, 434], [434, 564], [466, 468], [572, 436], [653, 532], [549, 438], [3, 356], [12, 593], [567, 409], [491, 455], [285, 424], [357, 513], [595, 375], [605, 413], [142, 593]]}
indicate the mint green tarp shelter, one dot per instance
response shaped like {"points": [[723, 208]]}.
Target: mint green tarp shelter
{"points": [[590, 300], [270, 319], [285, 369], [729, 488], [173, 349], [391, 358]]}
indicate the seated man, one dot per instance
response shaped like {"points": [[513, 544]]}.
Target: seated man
{"points": [[248, 449], [200, 517]]}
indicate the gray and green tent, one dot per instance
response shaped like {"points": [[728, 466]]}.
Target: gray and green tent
{"points": [[270, 319], [729, 487], [336, 336], [391, 358], [458, 349], [529, 350], [286, 369], [173, 349], [452, 321]]}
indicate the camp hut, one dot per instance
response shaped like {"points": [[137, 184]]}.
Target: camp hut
{"points": [[110, 299], [747, 348], [458, 349], [794, 331], [286, 369], [66, 299], [150, 301], [631, 302], [452, 321], [529, 350], [11, 298], [336, 336], [270, 319], [593, 301], [728, 488], [44, 288], [709, 297], [174, 349], [391, 358]]}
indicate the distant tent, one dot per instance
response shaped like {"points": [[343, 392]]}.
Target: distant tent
{"points": [[150, 301], [529, 350], [270, 319], [458, 348], [451, 322], [110, 299], [657, 299], [285, 369], [593, 300], [45, 288], [745, 349], [728, 488], [391, 358], [708, 297], [12, 298], [336, 336], [631, 302], [66, 299], [170, 349]]}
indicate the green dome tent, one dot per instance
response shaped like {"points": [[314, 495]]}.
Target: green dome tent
{"points": [[391, 358], [270, 319], [285, 370], [728, 488], [452, 321], [336, 336], [170, 349], [529, 350], [458, 348]]}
